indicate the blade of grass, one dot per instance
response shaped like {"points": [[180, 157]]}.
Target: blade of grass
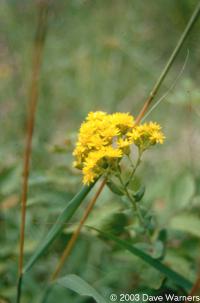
{"points": [[64, 217], [169, 63], [76, 233], [71, 244], [168, 91], [32, 105], [81, 287], [169, 273]]}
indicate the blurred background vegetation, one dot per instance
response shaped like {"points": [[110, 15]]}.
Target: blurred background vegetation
{"points": [[99, 55]]}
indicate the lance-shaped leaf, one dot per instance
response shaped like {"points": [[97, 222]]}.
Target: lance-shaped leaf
{"points": [[81, 287], [64, 217], [115, 188], [169, 273], [139, 194]]}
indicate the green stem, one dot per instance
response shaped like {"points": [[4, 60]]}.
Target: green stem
{"points": [[173, 56], [19, 288], [131, 199], [134, 168], [38, 48], [135, 206], [47, 292]]}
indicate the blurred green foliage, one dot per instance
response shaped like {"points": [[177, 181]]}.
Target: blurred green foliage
{"points": [[99, 55]]}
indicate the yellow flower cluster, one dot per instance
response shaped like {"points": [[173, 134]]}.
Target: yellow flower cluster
{"points": [[104, 139], [146, 134]]}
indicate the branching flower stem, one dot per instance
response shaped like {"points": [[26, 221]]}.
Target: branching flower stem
{"points": [[131, 199], [134, 167]]}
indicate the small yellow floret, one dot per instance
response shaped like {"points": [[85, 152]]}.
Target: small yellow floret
{"points": [[157, 137], [123, 121], [146, 134], [98, 161]]}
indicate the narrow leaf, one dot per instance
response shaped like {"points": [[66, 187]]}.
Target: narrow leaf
{"points": [[139, 194], [169, 273], [81, 287], [115, 188], [186, 223], [64, 217]]}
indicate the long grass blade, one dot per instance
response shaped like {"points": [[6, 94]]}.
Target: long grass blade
{"points": [[169, 273], [76, 233], [81, 287], [64, 217]]}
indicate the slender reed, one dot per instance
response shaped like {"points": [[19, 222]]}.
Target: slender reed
{"points": [[169, 63], [32, 106]]}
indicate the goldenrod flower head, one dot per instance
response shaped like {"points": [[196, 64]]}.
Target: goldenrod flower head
{"points": [[124, 145], [157, 137], [123, 121], [94, 116], [98, 161], [104, 139], [94, 133], [146, 134]]}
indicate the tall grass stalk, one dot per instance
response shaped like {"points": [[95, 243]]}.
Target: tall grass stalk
{"points": [[38, 47], [169, 63]]}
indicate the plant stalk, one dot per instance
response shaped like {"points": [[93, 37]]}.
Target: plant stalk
{"points": [[133, 202], [134, 168], [195, 288], [19, 287], [32, 106], [173, 56]]}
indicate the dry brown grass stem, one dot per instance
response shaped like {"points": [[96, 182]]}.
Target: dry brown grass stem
{"points": [[196, 287], [32, 105]]}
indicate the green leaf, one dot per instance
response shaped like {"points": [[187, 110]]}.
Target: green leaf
{"points": [[169, 273], [139, 194], [81, 287], [178, 261], [115, 188], [64, 217], [9, 179], [184, 189], [186, 223], [116, 223], [99, 217]]}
